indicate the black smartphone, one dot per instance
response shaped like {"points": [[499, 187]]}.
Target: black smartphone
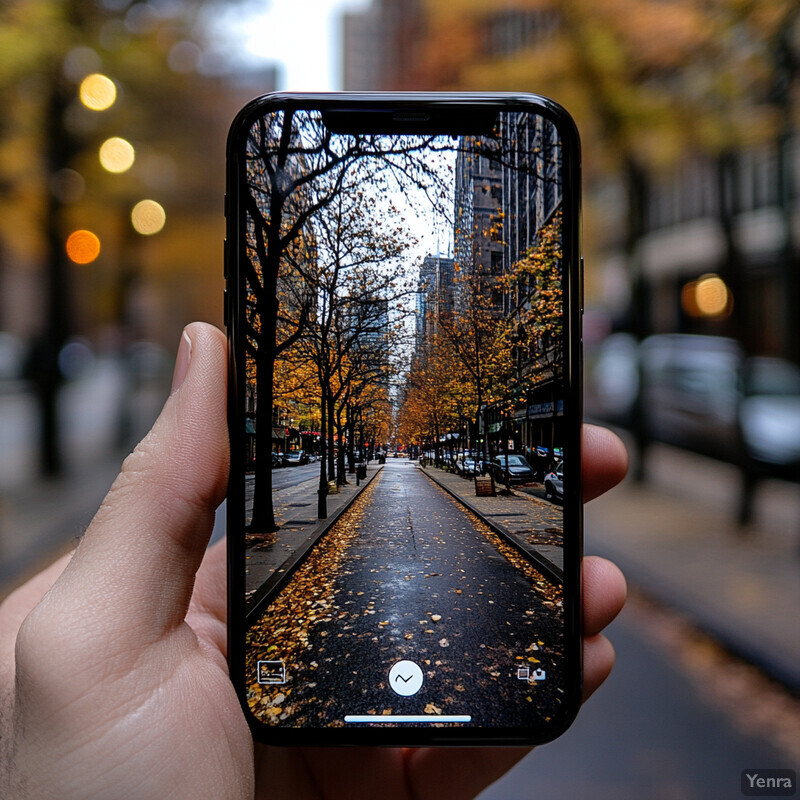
{"points": [[404, 512]]}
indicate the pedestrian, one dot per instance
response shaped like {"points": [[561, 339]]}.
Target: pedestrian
{"points": [[113, 678]]}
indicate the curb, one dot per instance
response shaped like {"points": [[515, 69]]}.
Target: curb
{"points": [[551, 571], [262, 595]]}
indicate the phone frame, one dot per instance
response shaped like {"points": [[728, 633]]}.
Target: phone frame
{"points": [[440, 106]]}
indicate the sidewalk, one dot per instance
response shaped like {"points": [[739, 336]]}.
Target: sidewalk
{"points": [[533, 523], [44, 519], [40, 519], [676, 540], [271, 561]]}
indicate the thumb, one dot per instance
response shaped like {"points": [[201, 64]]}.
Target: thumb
{"points": [[136, 563]]}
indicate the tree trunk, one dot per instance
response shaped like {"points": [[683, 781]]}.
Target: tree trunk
{"points": [[322, 491], [331, 437], [263, 520], [351, 432], [60, 149], [341, 478]]}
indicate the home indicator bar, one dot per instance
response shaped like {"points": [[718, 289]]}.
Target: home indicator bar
{"points": [[407, 718]]}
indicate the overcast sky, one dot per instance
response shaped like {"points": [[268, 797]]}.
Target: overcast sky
{"points": [[303, 36]]}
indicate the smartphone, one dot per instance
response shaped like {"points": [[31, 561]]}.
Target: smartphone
{"points": [[404, 514]]}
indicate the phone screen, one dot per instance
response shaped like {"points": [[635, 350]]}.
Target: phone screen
{"points": [[405, 422]]}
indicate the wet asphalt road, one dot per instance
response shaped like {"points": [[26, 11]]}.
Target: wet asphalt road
{"points": [[407, 573]]}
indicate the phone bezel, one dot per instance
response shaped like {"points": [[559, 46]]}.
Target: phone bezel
{"points": [[440, 104]]}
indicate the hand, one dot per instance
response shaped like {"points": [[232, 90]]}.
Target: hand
{"points": [[113, 679]]}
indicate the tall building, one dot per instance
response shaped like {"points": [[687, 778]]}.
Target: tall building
{"points": [[478, 207], [435, 294], [531, 181]]}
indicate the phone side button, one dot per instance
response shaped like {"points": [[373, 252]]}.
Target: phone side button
{"points": [[225, 314], [225, 259]]}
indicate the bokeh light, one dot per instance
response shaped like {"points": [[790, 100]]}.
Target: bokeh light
{"points": [[708, 296], [148, 217], [83, 247], [712, 296], [98, 92], [117, 155]]}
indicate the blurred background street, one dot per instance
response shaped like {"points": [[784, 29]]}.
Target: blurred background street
{"points": [[111, 225]]}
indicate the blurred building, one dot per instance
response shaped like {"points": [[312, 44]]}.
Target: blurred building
{"points": [[379, 45], [382, 45], [735, 216]]}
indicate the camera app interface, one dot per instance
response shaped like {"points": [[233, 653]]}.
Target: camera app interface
{"points": [[403, 391]]}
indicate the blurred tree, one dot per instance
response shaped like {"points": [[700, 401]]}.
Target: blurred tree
{"points": [[52, 180]]}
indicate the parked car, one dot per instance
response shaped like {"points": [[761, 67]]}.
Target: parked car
{"points": [[519, 470], [278, 460], [769, 412], [297, 458], [554, 483], [703, 393], [466, 465]]}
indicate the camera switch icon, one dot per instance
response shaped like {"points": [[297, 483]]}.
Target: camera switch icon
{"points": [[271, 672], [529, 675]]}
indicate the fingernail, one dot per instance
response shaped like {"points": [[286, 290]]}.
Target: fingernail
{"points": [[181, 362]]}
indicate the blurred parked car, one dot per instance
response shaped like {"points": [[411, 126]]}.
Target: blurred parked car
{"points": [[554, 483], [769, 411], [701, 393], [613, 378], [519, 471], [690, 392], [278, 460]]}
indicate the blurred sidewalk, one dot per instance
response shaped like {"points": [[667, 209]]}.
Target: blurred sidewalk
{"points": [[41, 519], [676, 539], [44, 519]]}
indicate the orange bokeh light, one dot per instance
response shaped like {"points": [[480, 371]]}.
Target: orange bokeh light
{"points": [[83, 247]]}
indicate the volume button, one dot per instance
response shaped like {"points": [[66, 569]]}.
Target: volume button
{"points": [[225, 311], [225, 259]]}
